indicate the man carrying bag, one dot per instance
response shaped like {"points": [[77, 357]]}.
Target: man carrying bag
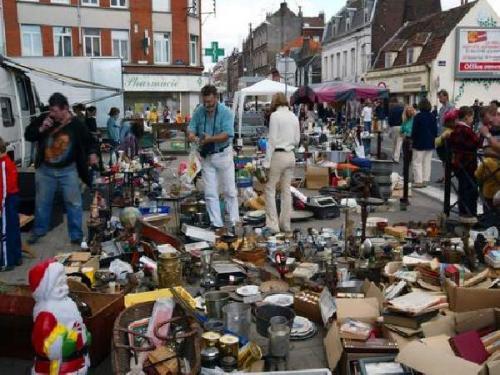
{"points": [[212, 126]]}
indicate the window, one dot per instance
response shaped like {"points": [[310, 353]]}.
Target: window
{"points": [[325, 68], [162, 48], [120, 44], [389, 59], [92, 42], [161, 5], [118, 3], [193, 7], [367, 15], [31, 40], [338, 65], [332, 68], [59, 1], [410, 56], [7, 115], [93, 3], [348, 23], [193, 50], [363, 58], [22, 91], [353, 62], [344, 65], [62, 41]]}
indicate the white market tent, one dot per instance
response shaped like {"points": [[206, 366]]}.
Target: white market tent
{"points": [[265, 87]]}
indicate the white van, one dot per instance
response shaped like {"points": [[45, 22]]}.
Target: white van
{"points": [[19, 103]]}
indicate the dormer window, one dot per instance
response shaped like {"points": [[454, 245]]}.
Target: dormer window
{"points": [[390, 57], [348, 23], [412, 55], [366, 15]]}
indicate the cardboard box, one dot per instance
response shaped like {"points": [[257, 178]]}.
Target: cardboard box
{"points": [[432, 356], [469, 299], [317, 177]]}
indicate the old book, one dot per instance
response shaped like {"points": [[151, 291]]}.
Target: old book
{"points": [[469, 346], [406, 321]]}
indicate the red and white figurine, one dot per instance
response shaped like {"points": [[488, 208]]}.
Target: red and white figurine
{"points": [[59, 336]]}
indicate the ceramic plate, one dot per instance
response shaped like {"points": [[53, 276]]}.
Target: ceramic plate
{"points": [[280, 299], [301, 326], [256, 214], [247, 290]]}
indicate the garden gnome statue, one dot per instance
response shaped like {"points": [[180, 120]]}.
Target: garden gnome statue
{"points": [[59, 336]]}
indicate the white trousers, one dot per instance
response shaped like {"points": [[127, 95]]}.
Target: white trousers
{"points": [[422, 166], [281, 170], [219, 168], [397, 140]]}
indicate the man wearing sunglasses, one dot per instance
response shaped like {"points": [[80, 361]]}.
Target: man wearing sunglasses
{"points": [[212, 127]]}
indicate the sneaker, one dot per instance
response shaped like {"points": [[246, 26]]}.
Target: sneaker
{"points": [[418, 185], [77, 241], [6, 268], [440, 180], [34, 239]]}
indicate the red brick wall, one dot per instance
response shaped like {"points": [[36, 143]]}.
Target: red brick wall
{"points": [[75, 40], [12, 28], [104, 3], [106, 42], [47, 40], [180, 32], [141, 14]]}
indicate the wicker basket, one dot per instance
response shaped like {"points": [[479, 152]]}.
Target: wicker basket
{"points": [[122, 352]]}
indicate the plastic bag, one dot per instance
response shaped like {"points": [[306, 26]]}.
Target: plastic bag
{"points": [[163, 310], [194, 164], [121, 269]]}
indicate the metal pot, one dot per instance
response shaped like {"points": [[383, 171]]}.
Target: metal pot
{"points": [[264, 313], [215, 301], [337, 156]]}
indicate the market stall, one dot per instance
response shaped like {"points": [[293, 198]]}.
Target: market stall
{"points": [[265, 87]]}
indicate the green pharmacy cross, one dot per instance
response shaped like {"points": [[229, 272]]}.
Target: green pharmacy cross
{"points": [[215, 52]]}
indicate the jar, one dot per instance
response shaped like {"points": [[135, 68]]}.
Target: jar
{"points": [[210, 338], [210, 357], [169, 270], [229, 363], [229, 345]]}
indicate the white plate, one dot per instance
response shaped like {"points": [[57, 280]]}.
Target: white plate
{"points": [[280, 299], [301, 326], [247, 290], [256, 214]]}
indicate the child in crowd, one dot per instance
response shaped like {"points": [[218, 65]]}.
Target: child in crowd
{"points": [[449, 124], [130, 144], [488, 176], [10, 245], [464, 144]]}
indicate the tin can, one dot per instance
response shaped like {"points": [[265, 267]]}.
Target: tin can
{"points": [[229, 346], [169, 270], [210, 338]]}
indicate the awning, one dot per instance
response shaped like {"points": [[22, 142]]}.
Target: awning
{"points": [[58, 77]]}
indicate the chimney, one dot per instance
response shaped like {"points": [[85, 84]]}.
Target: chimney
{"points": [[283, 5]]}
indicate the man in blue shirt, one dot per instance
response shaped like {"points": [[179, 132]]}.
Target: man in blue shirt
{"points": [[212, 127]]}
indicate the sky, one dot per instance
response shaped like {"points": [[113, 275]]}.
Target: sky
{"points": [[230, 24]]}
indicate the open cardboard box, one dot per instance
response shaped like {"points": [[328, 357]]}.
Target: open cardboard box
{"points": [[366, 309], [433, 357], [472, 298], [317, 177]]}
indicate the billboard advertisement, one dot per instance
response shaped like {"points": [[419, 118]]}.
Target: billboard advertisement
{"points": [[477, 53]]}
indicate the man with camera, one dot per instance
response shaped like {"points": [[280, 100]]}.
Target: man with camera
{"points": [[65, 149], [212, 127]]}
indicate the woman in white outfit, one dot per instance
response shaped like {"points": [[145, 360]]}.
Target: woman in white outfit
{"points": [[284, 136]]}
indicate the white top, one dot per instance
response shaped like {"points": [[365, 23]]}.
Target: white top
{"points": [[284, 132], [367, 114]]}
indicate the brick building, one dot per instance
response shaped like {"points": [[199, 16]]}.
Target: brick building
{"points": [[265, 41], [158, 41]]}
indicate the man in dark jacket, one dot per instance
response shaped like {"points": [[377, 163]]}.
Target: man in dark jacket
{"points": [[395, 120], [65, 149]]}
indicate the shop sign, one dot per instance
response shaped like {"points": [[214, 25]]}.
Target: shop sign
{"points": [[477, 52], [442, 63], [157, 82]]}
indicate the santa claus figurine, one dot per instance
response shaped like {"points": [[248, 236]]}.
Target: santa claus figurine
{"points": [[59, 336]]}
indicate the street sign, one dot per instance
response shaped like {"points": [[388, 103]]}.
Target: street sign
{"points": [[215, 52]]}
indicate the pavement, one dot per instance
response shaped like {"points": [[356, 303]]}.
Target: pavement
{"points": [[424, 206]]}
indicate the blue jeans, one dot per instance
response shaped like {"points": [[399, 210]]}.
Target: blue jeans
{"points": [[48, 181]]}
